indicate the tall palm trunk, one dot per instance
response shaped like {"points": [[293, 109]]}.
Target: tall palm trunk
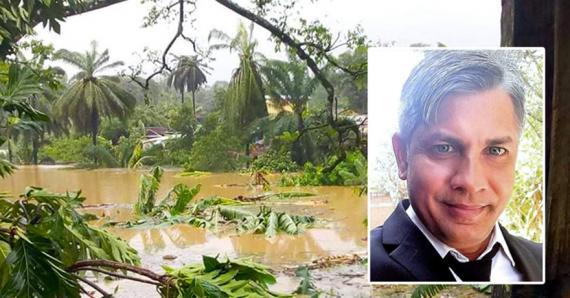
{"points": [[35, 148], [94, 130], [10, 157], [194, 102]]}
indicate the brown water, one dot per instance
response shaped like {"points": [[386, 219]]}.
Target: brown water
{"points": [[341, 209]]}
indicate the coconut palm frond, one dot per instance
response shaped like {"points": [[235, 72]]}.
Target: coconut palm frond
{"points": [[89, 97]]}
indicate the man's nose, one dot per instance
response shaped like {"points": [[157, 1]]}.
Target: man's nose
{"points": [[469, 176]]}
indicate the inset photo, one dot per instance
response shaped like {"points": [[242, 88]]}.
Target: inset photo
{"points": [[456, 165]]}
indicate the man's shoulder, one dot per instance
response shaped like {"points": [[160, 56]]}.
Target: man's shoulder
{"points": [[382, 266], [520, 243], [527, 255]]}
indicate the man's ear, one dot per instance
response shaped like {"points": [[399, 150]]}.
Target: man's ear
{"points": [[399, 146]]}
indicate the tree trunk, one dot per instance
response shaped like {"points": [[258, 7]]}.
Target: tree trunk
{"points": [[547, 24], [10, 157], [501, 291], [557, 204], [194, 102], [94, 130], [302, 150], [35, 148]]}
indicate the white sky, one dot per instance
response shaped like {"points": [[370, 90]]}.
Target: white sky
{"points": [[459, 23], [388, 69]]}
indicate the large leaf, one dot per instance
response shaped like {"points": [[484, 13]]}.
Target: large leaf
{"points": [[4, 268], [36, 273], [184, 195], [306, 286], [149, 184], [427, 291], [287, 224], [6, 168], [235, 278], [72, 237], [272, 225]]}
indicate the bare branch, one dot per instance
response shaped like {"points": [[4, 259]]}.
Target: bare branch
{"points": [[291, 42], [164, 63], [123, 276], [93, 285], [78, 266]]}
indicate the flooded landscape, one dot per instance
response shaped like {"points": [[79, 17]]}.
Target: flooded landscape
{"points": [[340, 231]]}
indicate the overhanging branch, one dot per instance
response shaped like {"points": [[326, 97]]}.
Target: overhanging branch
{"points": [[292, 43], [93, 5]]}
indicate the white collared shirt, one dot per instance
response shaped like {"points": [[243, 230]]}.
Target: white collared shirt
{"points": [[503, 267]]}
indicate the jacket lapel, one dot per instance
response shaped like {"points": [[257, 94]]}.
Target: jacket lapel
{"points": [[412, 249], [525, 262]]}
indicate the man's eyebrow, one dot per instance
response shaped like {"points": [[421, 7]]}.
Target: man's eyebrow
{"points": [[438, 136], [499, 141]]}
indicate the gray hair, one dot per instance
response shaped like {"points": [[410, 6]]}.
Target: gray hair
{"points": [[446, 72]]}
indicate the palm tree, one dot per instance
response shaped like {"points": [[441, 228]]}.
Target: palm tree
{"points": [[289, 83], [89, 98], [187, 76], [246, 97]]}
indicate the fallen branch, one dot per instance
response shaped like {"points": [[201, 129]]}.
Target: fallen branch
{"points": [[81, 265], [94, 286], [124, 276]]}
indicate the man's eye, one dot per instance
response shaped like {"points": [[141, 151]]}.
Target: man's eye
{"points": [[497, 151], [443, 148]]}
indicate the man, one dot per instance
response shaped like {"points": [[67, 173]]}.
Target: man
{"points": [[460, 125]]}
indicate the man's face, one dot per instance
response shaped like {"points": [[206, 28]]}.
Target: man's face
{"points": [[460, 170]]}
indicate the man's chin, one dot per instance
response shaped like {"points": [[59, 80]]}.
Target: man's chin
{"points": [[465, 237]]}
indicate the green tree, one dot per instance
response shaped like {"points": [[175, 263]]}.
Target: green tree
{"points": [[89, 98], [17, 86], [289, 83], [352, 91], [188, 76], [245, 100]]}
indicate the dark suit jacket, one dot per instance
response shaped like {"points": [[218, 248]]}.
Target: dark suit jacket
{"points": [[400, 252]]}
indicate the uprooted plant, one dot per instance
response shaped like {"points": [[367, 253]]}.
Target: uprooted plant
{"points": [[267, 221], [236, 278], [179, 206]]}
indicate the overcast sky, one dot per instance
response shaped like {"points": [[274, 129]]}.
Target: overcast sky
{"points": [[459, 23]]}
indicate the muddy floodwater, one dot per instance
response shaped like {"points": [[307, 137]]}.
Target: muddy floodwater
{"points": [[342, 230]]}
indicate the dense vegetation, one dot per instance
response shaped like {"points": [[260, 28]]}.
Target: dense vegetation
{"points": [[258, 121]]}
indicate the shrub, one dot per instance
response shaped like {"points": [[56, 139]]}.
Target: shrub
{"points": [[351, 171], [273, 161], [216, 151], [70, 149]]}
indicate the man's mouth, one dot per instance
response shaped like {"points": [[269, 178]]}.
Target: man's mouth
{"points": [[464, 213]]}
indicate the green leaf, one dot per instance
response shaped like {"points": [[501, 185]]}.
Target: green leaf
{"points": [[287, 224], [6, 168], [230, 213], [427, 291], [37, 274], [4, 268], [306, 286], [272, 225], [183, 196], [232, 278], [149, 184], [210, 263]]}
